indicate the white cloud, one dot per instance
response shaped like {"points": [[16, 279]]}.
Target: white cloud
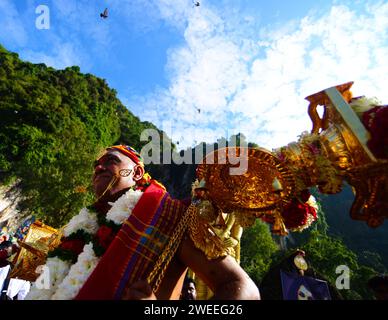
{"points": [[62, 55], [261, 87], [12, 30]]}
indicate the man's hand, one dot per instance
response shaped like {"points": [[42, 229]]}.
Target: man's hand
{"points": [[140, 290], [230, 242]]}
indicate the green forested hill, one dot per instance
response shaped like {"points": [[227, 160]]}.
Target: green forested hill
{"points": [[52, 125], [370, 244]]}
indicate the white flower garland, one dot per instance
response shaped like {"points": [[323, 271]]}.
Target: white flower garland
{"points": [[65, 279], [78, 274], [120, 208], [85, 220], [57, 272]]}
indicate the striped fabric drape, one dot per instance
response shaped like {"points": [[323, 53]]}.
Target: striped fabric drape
{"points": [[134, 251]]}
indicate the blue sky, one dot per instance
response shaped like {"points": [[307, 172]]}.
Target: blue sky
{"points": [[245, 64]]}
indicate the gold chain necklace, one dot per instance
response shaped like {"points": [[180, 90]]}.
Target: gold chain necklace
{"points": [[157, 274]]}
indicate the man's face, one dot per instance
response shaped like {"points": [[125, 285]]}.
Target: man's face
{"points": [[189, 292], [108, 166]]}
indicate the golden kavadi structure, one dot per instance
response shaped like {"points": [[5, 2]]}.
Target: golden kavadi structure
{"points": [[333, 152]]}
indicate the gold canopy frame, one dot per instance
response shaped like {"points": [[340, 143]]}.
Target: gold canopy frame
{"points": [[359, 167], [40, 239]]}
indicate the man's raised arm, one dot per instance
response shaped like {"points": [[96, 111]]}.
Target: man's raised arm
{"points": [[223, 275]]}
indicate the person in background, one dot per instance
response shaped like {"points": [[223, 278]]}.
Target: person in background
{"points": [[271, 285], [10, 288], [7, 249], [189, 291]]}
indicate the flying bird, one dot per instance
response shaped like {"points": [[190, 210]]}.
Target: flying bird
{"points": [[196, 3], [104, 14]]}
